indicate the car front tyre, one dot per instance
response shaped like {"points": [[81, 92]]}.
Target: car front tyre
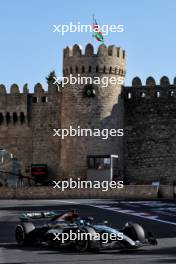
{"points": [[81, 244]]}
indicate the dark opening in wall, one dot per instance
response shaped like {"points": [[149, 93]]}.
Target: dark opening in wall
{"points": [[104, 69], [34, 99], [1, 118], [83, 69], [22, 118], [98, 162], [15, 118], [89, 90], [44, 99], [129, 96], [71, 70], [90, 69], [76, 69], [171, 93], [7, 118], [110, 70], [157, 94], [97, 69], [142, 94]]}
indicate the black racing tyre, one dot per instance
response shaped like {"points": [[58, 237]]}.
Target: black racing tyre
{"points": [[81, 243], [90, 243], [134, 231], [21, 233]]}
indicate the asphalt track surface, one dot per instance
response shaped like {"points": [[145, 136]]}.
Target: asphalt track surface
{"points": [[156, 216]]}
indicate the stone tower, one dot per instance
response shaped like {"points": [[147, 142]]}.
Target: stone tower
{"points": [[91, 106]]}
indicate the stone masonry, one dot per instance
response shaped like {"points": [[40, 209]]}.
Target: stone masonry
{"points": [[147, 113]]}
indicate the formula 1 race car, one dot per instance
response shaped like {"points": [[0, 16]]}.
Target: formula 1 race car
{"points": [[68, 229]]}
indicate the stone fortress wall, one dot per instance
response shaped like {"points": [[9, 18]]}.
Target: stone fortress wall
{"points": [[147, 113], [26, 123], [150, 124]]}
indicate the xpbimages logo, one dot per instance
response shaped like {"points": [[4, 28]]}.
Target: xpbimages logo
{"points": [[83, 236], [88, 132], [71, 27], [85, 184], [104, 81]]}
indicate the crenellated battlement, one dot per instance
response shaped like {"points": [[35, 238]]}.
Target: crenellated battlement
{"points": [[14, 89], [38, 89], [18, 108], [77, 51], [150, 89], [107, 60]]}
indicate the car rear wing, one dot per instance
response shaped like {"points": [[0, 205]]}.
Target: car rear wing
{"points": [[25, 217]]}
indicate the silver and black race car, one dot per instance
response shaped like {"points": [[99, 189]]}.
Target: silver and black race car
{"points": [[68, 229]]}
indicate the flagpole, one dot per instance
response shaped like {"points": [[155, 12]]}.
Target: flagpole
{"points": [[92, 30]]}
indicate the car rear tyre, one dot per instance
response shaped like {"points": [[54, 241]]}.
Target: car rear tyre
{"points": [[20, 235], [23, 234], [81, 243]]}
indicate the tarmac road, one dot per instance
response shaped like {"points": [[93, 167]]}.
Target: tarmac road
{"points": [[158, 217]]}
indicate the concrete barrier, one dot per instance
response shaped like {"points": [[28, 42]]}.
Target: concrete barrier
{"points": [[166, 191], [128, 192], [174, 191]]}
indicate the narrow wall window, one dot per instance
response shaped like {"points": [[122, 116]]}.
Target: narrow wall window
{"points": [[171, 93], [22, 118], [7, 118], [34, 99], [157, 94], [1, 118], [15, 118], [129, 95], [44, 99]]}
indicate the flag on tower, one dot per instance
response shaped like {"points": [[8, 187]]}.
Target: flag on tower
{"points": [[96, 31]]}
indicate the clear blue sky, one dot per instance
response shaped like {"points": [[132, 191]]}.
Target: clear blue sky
{"points": [[29, 49]]}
